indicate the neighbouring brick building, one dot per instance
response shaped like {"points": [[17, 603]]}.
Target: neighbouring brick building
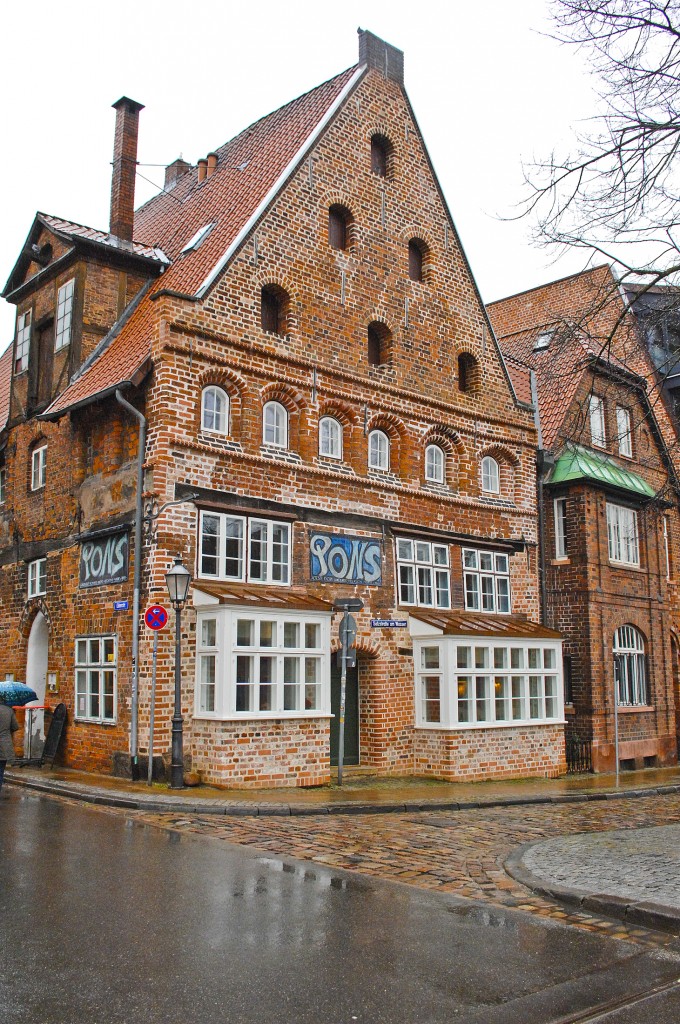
{"points": [[326, 407], [609, 487]]}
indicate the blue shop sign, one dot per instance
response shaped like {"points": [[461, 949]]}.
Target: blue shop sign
{"points": [[336, 558]]}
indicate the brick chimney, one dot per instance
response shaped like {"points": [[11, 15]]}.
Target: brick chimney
{"points": [[174, 171], [374, 52], [124, 168]]}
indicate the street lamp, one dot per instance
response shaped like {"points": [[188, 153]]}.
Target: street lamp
{"points": [[177, 581]]}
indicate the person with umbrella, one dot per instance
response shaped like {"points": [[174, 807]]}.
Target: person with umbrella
{"points": [[8, 725]]}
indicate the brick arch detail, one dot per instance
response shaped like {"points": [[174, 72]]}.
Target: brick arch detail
{"points": [[369, 649], [236, 388], [644, 633], [30, 610], [416, 232], [342, 411], [296, 407], [335, 197], [264, 279], [451, 451], [402, 454], [508, 464]]}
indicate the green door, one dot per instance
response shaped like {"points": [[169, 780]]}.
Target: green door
{"points": [[351, 714]]}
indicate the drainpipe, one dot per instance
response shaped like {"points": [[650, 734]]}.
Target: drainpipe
{"points": [[545, 461], [137, 577]]}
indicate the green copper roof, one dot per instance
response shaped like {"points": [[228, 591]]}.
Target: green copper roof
{"points": [[577, 463]]}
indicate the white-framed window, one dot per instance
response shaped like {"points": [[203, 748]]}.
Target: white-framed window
{"points": [[262, 664], [598, 433], [486, 580], [37, 577], [423, 573], [23, 342], [62, 334], [630, 666], [487, 682], [96, 678], [624, 431], [560, 513], [275, 425], [215, 410], [3, 484], [330, 437], [435, 464], [491, 477], [38, 467], [622, 534], [379, 450], [245, 549]]}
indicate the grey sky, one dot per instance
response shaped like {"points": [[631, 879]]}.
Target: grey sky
{"points": [[489, 91]]}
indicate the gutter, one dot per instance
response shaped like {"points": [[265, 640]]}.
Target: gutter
{"points": [[544, 463]]}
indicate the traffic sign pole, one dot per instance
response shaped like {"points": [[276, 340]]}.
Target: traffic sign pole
{"points": [[152, 708], [348, 633]]}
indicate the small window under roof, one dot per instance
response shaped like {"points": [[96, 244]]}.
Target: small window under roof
{"points": [[543, 339], [199, 237]]}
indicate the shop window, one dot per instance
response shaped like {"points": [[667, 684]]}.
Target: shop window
{"points": [[598, 434], [630, 667], [435, 464], [215, 410], [38, 467], [423, 573], [560, 512], [339, 222], [274, 302], [491, 477], [330, 438], [379, 451], [379, 342], [96, 678], [275, 425], [624, 431], [262, 664], [486, 580], [23, 342], [244, 549], [37, 577], [466, 683], [622, 534], [62, 335]]}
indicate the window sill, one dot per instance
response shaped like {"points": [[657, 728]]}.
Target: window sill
{"points": [[94, 721], [261, 716], [560, 561], [627, 566], [634, 709], [467, 726]]}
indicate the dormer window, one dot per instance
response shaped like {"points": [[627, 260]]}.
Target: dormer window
{"points": [[64, 315], [543, 340], [23, 342], [198, 238]]}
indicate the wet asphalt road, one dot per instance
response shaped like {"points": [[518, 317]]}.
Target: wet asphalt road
{"points": [[105, 921]]}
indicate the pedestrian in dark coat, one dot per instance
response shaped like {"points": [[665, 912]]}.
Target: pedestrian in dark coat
{"points": [[8, 725]]}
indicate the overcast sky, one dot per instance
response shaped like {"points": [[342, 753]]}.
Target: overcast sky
{"points": [[489, 90]]}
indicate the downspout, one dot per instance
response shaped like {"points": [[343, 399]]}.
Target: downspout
{"points": [[137, 577], [544, 463]]}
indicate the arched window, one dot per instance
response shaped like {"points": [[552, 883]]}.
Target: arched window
{"points": [[491, 478], [378, 450], [379, 341], [274, 309], [435, 464], [468, 373], [416, 256], [215, 410], [630, 668], [339, 220], [380, 151], [330, 438], [275, 425]]}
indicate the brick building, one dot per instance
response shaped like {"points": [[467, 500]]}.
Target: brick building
{"points": [[319, 394], [608, 490]]}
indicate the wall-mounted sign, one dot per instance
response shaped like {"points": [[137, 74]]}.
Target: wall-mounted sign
{"points": [[389, 623], [335, 558], [104, 560], [120, 606]]}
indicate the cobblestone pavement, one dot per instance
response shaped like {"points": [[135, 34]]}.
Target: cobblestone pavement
{"points": [[460, 852], [641, 865]]}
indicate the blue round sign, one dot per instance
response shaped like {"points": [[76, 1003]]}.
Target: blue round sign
{"points": [[156, 616]]}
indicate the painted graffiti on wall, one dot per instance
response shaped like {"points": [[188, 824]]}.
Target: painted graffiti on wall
{"points": [[335, 558], [104, 560]]}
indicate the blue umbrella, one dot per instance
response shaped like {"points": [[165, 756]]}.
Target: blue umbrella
{"points": [[16, 694]]}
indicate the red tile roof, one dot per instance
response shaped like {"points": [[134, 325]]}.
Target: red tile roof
{"points": [[248, 169], [72, 230], [5, 383], [459, 623]]}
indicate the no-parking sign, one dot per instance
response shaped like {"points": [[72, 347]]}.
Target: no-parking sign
{"points": [[156, 617]]}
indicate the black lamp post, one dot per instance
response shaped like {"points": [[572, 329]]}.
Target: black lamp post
{"points": [[177, 580]]}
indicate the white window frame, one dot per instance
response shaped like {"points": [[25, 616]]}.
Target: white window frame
{"points": [[435, 464], [236, 667], [423, 573], [491, 475], [37, 577], [379, 451], [215, 410], [486, 581], [23, 343], [560, 517], [598, 430], [39, 468], [624, 431], [64, 317], [234, 551], [630, 667], [96, 661], [275, 424], [330, 438], [623, 535], [489, 682]]}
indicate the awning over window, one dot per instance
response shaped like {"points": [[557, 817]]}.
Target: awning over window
{"points": [[431, 622], [206, 593], [577, 463]]}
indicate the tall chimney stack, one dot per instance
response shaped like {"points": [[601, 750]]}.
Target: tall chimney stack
{"points": [[124, 168]]}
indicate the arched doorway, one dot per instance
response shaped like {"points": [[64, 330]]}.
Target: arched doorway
{"points": [[36, 678]]}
